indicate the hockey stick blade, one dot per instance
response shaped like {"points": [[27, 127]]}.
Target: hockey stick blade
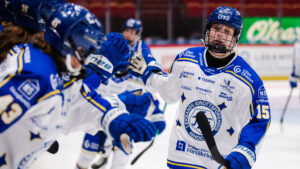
{"points": [[141, 153], [209, 139]]}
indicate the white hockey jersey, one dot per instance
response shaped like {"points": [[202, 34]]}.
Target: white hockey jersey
{"points": [[233, 98], [297, 58], [118, 85], [36, 105]]}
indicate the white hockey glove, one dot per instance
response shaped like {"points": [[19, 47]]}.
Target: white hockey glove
{"points": [[144, 64]]}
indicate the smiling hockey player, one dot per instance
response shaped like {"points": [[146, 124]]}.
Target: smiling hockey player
{"points": [[215, 81]]}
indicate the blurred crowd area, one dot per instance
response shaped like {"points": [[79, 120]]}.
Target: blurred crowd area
{"points": [[183, 21]]}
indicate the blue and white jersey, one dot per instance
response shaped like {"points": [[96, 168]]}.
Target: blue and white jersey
{"points": [[117, 85], [233, 98], [25, 81], [36, 105], [138, 47]]}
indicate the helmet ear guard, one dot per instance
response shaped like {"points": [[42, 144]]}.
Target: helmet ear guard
{"points": [[226, 16]]}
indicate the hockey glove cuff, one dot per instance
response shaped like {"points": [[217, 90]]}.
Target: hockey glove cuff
{"points": [[293, 80], [242, 156]]}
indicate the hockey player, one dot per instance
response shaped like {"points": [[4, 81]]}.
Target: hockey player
{"points": [[215, 81], [295, 75], [35, 103], [122, 81]]}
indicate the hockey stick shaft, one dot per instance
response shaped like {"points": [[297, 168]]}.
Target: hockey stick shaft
{"points": [[150, 145], [209, 139], [286, 105], [141, 153]]}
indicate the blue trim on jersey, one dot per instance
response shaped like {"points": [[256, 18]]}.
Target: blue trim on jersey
{"points": [[254, 131], [179, 165], [1, 27], [35, 79], [93, 97]]}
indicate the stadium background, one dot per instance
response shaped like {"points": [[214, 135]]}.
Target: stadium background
{"points": [[171, 26]]}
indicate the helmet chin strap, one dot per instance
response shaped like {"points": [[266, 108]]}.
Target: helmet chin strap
{"points": [[73, 71]]}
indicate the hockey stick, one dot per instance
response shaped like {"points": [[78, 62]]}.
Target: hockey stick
{"points": [[150, 145], [284, 109], [141, 153], [209, 139]]}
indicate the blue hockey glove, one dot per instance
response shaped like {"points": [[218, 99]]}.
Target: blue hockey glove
{"points": [[293, 80], [242, 156], [132, 102], [117, 121], [135, 103], [114, 53], [144, 64]]}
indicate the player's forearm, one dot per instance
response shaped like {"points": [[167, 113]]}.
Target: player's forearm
{"points": [[166, 85]]}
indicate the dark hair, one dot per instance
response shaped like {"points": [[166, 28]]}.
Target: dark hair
{"points": [[13, 35], [10, 36], [38, 41]]}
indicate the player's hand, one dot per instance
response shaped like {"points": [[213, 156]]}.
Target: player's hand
{"points": [[132, 102], [144, 64], [241, 157], [117, 122], [136, 103], [114, 53]]}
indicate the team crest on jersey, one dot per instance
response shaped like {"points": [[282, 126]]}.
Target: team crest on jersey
{"points": [[29, 88], [211, 111], [262, 94]]}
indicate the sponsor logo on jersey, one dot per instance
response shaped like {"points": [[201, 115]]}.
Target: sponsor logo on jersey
{"points": [[19, 97], [243, 72], [203, 91], [262, 94], [29, 88], [211, 111], [186, 87], [198, 151], [227, 86], [187, 53], [206, 80], [180, 146], [188, 75], [225, 96], [183, 146]]}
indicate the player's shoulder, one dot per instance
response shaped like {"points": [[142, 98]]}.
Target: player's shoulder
{"points": [[243, 71], [34, 64], [190, 55], [144, 45], [33, 60]]}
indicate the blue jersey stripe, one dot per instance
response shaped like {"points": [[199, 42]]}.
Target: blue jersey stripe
{"points": [[95, 103]]}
